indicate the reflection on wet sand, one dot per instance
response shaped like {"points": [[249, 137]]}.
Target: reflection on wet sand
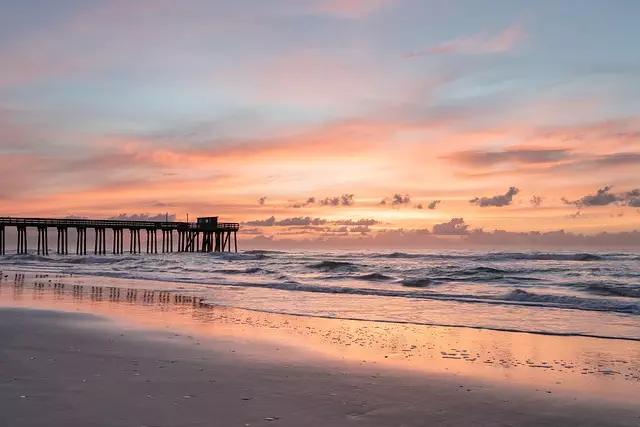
{"points": [[550, 364]]}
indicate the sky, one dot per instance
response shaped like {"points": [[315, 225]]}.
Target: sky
{"points": [[326, 120]]}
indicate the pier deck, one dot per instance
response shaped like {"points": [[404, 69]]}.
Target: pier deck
{"points": [[216, 236]]}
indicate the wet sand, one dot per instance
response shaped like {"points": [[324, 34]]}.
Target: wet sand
{"points": [[109, 357]]}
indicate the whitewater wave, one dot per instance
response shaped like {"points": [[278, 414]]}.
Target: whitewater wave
{"points": [[262, 252], [515, 297], [571, 302], [465, 277], [612, 290], [539, 256]]}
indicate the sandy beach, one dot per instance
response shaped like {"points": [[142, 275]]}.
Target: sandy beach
{"points": [[76, 355]]}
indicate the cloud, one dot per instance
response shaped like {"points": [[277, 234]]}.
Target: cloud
{"points": [[602, 197], [306, 220], [287, 222], [344, 200], [269, 222], [421, 238], [357, 222], [516, 155], [159, 204], [455, 227], [311, 223], [262, 200], [482, 43], [362, 229], [251, 231], [310, 201], [536, 200], [631, 198], [353, 8], [397, 199], [434, 204], [144, 217], [497, 201]]}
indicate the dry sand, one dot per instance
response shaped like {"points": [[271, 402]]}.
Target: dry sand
{"points": [[62, 368]]}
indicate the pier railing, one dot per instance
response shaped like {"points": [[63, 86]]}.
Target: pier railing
{"points": [[110, 223], [216, 236]]}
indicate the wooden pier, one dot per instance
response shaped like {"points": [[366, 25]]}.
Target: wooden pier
{"points": [[205, 235]]}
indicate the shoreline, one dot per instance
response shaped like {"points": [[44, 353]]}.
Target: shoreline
{"points": [[192, 289], [494, 366]]}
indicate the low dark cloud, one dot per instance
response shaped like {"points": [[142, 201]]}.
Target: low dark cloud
{"points": [[269, 222], [602, 197], [536, 200], [362, 229], [631, 198], [310, 201], [351, 222], [455, 227], [287, 222], [400, 199], [434, 204], [344, 200], [400, 239], [497, 201], [302, 220], [262, 200]]}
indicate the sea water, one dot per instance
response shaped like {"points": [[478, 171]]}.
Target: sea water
{"points": [[562, 293]]}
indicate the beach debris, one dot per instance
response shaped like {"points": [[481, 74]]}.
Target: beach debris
{"points": [[247, 398], [272, 418]]}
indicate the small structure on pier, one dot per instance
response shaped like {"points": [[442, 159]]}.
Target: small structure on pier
{"points": [[216, 236]]}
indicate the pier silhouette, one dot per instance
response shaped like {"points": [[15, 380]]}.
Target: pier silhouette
{"points": [[216, 236]]}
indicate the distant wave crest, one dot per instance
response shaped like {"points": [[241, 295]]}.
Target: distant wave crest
{"points": [[375, 277], [334, 266], [417, 283]]}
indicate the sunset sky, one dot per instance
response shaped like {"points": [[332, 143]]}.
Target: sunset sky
{"points": [[514, 115]]}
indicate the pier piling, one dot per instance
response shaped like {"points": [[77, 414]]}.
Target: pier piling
{"points": [[2, 240], [216, 237]]}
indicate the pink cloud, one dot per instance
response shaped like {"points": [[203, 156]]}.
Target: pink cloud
{"points": [[482, 43], [354, 8]]}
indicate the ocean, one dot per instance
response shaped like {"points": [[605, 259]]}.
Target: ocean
{"points": [[593, 294]]}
